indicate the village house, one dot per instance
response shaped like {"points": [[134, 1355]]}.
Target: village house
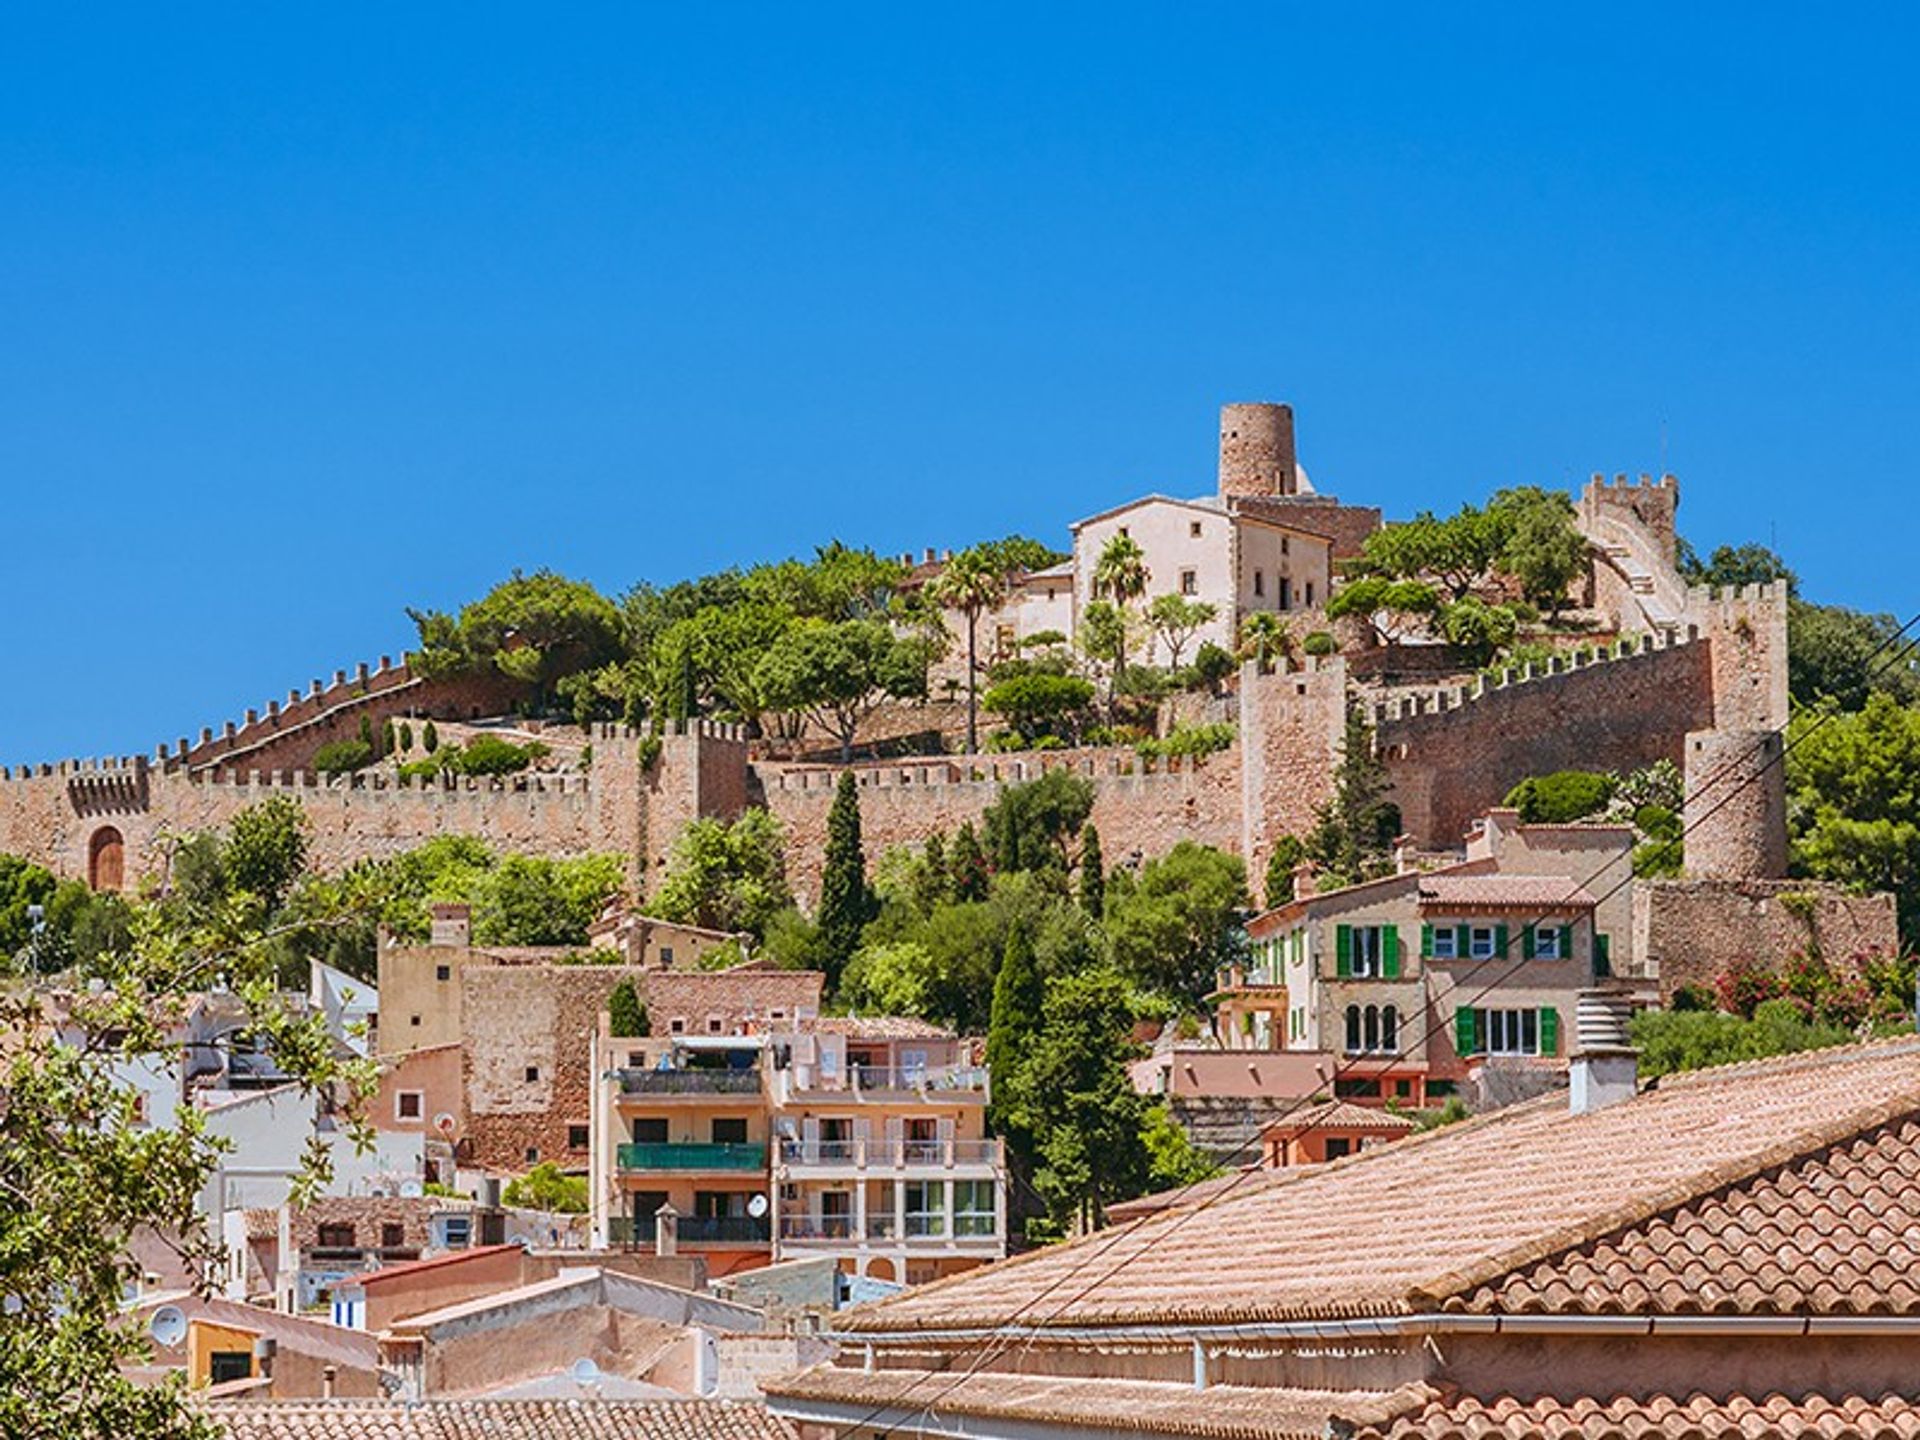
{"points": [[1580, 1275]]}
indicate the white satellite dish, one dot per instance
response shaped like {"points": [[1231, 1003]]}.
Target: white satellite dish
{"points": [[168, 1327], [584, 1371], [757, 1206], [410, 1190]]}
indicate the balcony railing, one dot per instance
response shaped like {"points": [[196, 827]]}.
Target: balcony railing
{"points": [[686, 1155], [816, 1227], [917, 1079], [643, 1230], [689, 1082], [885, 1225], [889, 1154]]}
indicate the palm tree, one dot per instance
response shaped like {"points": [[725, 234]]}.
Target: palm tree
{"points": [[1121, 574], [972, 585], [1264, 637]]}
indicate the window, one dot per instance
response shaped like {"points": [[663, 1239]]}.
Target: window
{"points": [[1363, 952], [1482, 943], [649, 1132], [1356, 1089], [1372, 1029], [443, 972], [1259, 583], [1189, 583], [927, 1207], [729, 1131], [533, 1154], [1283, 544], [392, 1236], [635, 1059], [414, 1021], [225, 1365], [1546, 942], [337, 1236], [1513, 1032], [409, 1104], [1338, 1147], [677, 1025], [1506, 1032], [716, 1024], [576, 1137], [533, 1074], [456, 1231], [1309, 592], [1193, 529], [776, 1014], [973, 1207], [1286, 593], [1446, 943], [1124, 530], [666, 956]]}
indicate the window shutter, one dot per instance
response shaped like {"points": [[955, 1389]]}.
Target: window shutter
{"points": [[1566, 942], [1463, 941], [1343, 951], [1526, 942], [1549, 1031], [1426, 942], [1500, 940], [1602, 956], [1466, 1036], [1390, 952]]}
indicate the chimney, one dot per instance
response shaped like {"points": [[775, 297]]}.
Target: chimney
{"points": [[1304, 879], [452, 927], [666, 1231], [327, 1375], [1605, 1067]]}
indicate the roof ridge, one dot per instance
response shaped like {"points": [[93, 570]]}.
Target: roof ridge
{"points": [[1448, 1289]]}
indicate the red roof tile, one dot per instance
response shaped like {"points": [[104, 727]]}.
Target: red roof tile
{"points": [[1699, 1417], [1544, 892], [498, 1420]]}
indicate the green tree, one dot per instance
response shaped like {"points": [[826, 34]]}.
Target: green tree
{"points": [[1352, 839], [1176, 620], [388, 736], [1563, 796], [1287, 854], [971, 584], [836, 673], [1733, 566], [1673, 1040], [1843, 656], [1173, 1160], [1540, 543], [1854, 802], [846, 904], [429, 738], [1265, 638], [546, 1187], [537, 900], [1120, 576], [1479, 631], [533, 628], [1029, 826], [1393, 608], [406, 737], [340, 757], [368, 738], [1174, 926], [1018, 996], [1093, 874], [266, 849], [726, 876], [1458, 553], [1038, 704], [626, 1015], [968, 865]]}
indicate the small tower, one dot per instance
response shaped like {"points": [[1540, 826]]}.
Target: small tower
{"points": [[1256, 450], [1736, 805]]}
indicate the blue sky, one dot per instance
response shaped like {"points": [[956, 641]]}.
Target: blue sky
{"points": [[313, 316]]}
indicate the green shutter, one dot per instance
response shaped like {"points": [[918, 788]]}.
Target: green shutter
{"points": [[1462, 942], [1500, 940], [1566, 942], [1426, 942], [1390, 952], [1602, 955], [1466, 1031], [1549, 1031], [1343, 951], [1526, 942]]}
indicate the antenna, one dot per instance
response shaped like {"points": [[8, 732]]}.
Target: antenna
{"points": [[168, 1327]]}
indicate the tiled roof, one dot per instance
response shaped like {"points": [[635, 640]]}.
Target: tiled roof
{"points": [[1222, 1412], [1549, 892], [1835, 1233], [499, 1420], [1340, 1115], [739, 991], [432, 1262], [1518, 1187], [1699, 1417], [879, 1027]]}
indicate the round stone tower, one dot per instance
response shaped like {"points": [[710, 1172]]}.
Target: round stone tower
{"points": [[1256, 450], [1736, 807]]}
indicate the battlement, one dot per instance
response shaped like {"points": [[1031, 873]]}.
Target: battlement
{"points": [[1601, 485], [276, 718], [1103, 763], [1432, 700], [380, 782], [1730, 604], [701, 729]]}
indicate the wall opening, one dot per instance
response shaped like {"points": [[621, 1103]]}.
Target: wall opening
{"points": [[106, 859]]}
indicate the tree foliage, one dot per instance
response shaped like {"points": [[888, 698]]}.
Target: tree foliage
{"points": [[627, 1017], [1854, 801], [1352, 839], [1563, 796], [835, 673], [1039, 704], [726, 876], [534, 628], [846, 904], [1176, 620], [1030, 825], [1179, 921], [546, 1187]]}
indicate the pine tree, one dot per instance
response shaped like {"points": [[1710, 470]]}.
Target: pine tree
{"points": [[1018, 994], [846, 904], [968, 865], [627, 1015], [1093, 874], [429, 738]]}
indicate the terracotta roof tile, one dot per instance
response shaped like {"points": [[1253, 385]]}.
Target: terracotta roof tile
{"points": [[499, 1420], [1547, 892], [879, 1027], [1223, 1412], [1834, 1233], [1340, 1115], [1518, 1187], [1890, 1417]]}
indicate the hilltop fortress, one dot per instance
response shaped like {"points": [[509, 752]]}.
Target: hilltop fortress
{"points": [[1672, 672]]}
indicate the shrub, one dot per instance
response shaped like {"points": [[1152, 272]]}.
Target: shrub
{"points": [[545, 1188], [1037, 703], [338, 757], [648, 751], [1194, 740], [1212, 664], [1320, 642], [490, 755], [406, 736], [429, 738], [1560, 797]]}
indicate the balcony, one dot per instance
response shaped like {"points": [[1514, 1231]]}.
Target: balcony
{"points": [[888, 1154], [686, 1155], [639, 1231], [959, 1080], [689, 1082], [886, 1227]]}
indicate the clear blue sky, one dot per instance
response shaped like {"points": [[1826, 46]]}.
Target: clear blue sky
{"points": [[312, 317]]}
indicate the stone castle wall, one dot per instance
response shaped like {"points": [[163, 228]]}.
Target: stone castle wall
{"points": [[1691, 930]]}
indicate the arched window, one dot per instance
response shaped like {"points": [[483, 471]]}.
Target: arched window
{"points": [[1353, 1029], [1390, 1029], [1373, 1027], [106, 859]]}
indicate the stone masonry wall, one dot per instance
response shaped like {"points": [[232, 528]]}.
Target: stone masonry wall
{"points": [[1691, 930]]}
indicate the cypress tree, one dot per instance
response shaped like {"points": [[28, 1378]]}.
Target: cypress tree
{"points": [[386, 738], [845, 903], [939, 884], [406, 737], [429, 738], [1018, 993], [1287, 854], [627, 1014], [968, 865], [367, 736], [1093, 874]]}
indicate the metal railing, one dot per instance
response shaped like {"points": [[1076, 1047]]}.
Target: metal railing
{"points": [[690, 1082], [915, 1079], [816, 1227], [884, 1154], [639, 1230], [687, 1155]]}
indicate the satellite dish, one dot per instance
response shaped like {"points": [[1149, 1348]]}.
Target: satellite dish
{"points": [[168, 1327], [757, 1206], [410, 1190], [584, 1371], [444, 1123]]}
